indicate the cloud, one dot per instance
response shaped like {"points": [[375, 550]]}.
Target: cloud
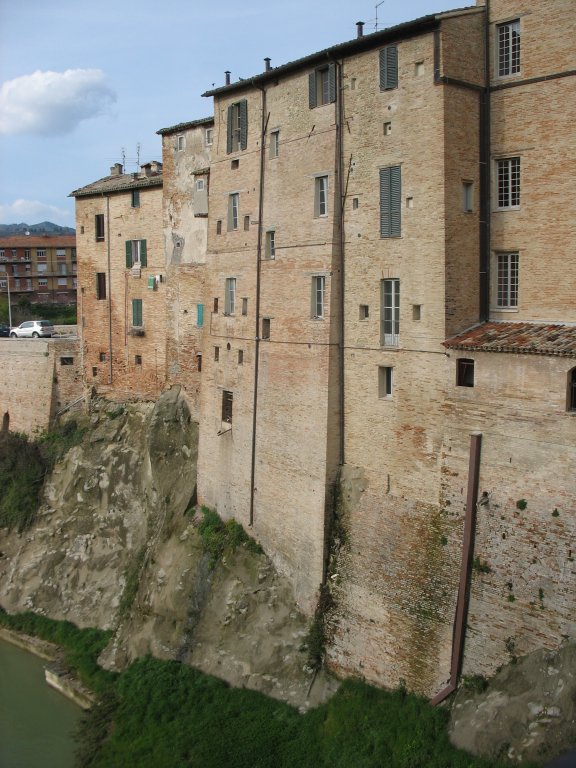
{"points": [[53, 103], [34, 212]]}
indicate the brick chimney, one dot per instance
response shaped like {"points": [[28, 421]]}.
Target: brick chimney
{"points": [[116, 169]]}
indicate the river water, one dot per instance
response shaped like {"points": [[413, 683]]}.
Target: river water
{"points": [[36, 721]]}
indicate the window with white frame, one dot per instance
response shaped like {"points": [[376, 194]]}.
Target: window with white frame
{"points": [[321, 196], [274, 143], [318, 296], [27, 255], [62, 281], [508, 48], [42, 282], [180, 143], [209, 137], [508, 181], [385, 381], [230, 297], [322, 86], [42, 267], [389, 312], [270, 244], [233, 210], [60, 252], [41, 253], [507, 288], [3, 283]]}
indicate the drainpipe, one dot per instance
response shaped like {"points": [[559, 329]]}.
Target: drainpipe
{"points": [[485, 177], [263, 129], [459, 631], [109, 290]]}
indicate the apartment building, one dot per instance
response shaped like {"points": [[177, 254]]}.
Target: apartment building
{"points": [[39, 268], [368, 282], [121, 281]]}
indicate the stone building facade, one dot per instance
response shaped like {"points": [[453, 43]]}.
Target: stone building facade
{"points": [[372, 312]]}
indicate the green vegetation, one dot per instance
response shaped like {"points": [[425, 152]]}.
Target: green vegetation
{"points": [[23, 466], [474, 683], [316, 638], [81, 646], [23, 309], [480, 566], [219, 537], [133, 574], [521, 504]]}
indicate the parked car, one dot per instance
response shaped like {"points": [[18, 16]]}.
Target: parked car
{"points": [[4, 330], [33, 329]]}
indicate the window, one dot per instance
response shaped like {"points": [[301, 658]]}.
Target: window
{"points": [[572, 390], [508, 48], [237, 127], [209, 137], [219, 227], [137, 313], [215, 305], [216, 354], [387, 128], [318, 291], [419, 68], [61, 269], [61, 252], [199, 185], [98, 226], [100, 285], [390, 201], [244, 306], [247, 223], [42, 282], [416, 312], [3, 283], [136, 253], [322, 86], [199, 315], [94, 371], [389, 312], [464, 372], [2, 253], [199, 362], [17, 284], [389, 68], [66, 361], [135, 198], [28, 284], [137, 359], [227, 400], [321, 196], [180, 143], [270, 245], [102, 357], [274, 143], [355, 203], [240, 357], [230, 297], [41, 252], [468, 196], [233, 207], [42, 267], [234, 164], [27, 255], [62, 281], [364, 312], [266, 328], [507, 292], [508, 178], [385, 381]]}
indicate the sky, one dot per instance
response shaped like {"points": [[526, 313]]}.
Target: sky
{"points": [[84, 84]]}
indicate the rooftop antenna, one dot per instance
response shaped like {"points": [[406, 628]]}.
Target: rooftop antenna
{"points": [[123, 159], [138, 154], [378, 6]]}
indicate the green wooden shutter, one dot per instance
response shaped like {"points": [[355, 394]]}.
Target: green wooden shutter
{"points": [[312, 100], [243, 108], [143, 253], [390, 201], [136, 312], [128, 253], [388, 68], [199, 315], [229, 130], [332, 83]]}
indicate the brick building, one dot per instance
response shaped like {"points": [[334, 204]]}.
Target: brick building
{"points": [[382, 299], [39, 268]]}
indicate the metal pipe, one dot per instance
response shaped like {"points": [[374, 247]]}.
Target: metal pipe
{"points": [[459, 633], [264, 125], [485, 178], [109, 290]]}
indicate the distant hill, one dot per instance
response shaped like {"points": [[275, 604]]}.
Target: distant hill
{"points": [[44, 228]]}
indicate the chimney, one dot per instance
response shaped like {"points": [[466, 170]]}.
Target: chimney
{"points": [[360, 29], [116, 169], [227, 73], [146, 169], [267, 63], [156, 166]]}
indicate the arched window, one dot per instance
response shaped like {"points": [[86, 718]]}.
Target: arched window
{"points": [[571, 390], [6, 422]]}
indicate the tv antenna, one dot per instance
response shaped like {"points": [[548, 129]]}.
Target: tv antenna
{"points": [[138, 154], [123, 159], [376, 8]]}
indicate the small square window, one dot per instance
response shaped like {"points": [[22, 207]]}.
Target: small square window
{"points": [[216, 354], [387, 128], [419, 68], [266, 328], [464, 372], [246, 223], [409, 202], [137, 359], [234, 164], [364, 312], [199, 185], [66, 361], [416, 311], [385, 381]]}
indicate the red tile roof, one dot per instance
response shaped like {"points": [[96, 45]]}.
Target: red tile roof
{"points": [[38, 241], [523, 338]]}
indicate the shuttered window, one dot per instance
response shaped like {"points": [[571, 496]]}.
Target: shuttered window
{"points": [[389, 68], [322, 86], [199, 315], [390, 201], [237, 127], [136, 253], [137, 313]]}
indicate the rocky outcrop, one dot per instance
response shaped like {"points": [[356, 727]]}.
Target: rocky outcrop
{"points": [[116, 545]]}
